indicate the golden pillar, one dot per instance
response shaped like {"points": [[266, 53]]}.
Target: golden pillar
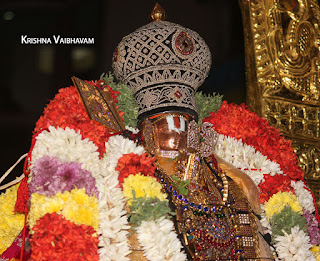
{"points": [[282, 45]]}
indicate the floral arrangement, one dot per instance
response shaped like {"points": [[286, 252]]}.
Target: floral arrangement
{"points": [[85, 183], [10, 227], [289, 213], [149, 211]]}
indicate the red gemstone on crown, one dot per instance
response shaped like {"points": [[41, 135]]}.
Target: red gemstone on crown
{"points": [[178, 94]]}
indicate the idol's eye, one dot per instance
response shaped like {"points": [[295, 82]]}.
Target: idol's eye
{"points": [[184, 43]]}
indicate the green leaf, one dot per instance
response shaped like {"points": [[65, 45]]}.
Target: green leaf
{"points": [[207, 104], [146, 209], [126, 100]]}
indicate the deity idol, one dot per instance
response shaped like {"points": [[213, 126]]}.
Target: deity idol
{"points": [[217, 211], [94, 191]]}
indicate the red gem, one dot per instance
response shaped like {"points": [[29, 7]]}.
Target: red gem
{"points": [[178, 94]]}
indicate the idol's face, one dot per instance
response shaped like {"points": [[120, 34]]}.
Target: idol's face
{"points": [[171, 132]]}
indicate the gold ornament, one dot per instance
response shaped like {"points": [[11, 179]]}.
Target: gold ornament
{"points": [[282, 44]]}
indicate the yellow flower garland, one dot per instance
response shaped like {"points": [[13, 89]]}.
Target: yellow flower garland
{"points": [[143, 186], [11, 223], [75, 206], [279, 200]]}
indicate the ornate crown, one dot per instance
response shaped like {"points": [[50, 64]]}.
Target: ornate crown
{"points": [[164, 64]]}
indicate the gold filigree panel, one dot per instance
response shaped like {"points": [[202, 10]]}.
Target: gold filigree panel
{"points": [[282, 45], [295, 120]]}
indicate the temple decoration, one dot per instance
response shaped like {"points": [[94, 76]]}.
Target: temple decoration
{"points": [[282, 44]]}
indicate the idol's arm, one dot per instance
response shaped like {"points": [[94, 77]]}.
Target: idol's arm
{"points": [[244, 182]]}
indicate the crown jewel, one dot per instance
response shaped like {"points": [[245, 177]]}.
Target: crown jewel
{"points": [[164, 64]]}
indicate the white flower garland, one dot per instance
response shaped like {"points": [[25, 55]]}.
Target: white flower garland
{"points": [[246, 158], [294, 246], [159, 240], [170, 245], [69, 146], [304, 196]]}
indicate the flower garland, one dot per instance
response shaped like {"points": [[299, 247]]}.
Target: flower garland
{"points": [[287, 204], [67, 110], [11, 223], [70, 145], [148, 205], [238, 122]]}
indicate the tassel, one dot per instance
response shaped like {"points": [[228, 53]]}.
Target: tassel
{"points": [[22, 197]]}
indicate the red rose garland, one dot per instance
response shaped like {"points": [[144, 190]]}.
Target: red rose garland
{"points": [[238, 122]]}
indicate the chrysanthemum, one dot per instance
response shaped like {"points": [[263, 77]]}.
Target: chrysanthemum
{"points": [[76, 206], [143, 186], [50, 175], [11, 223], [69, 146], [278, 201]]}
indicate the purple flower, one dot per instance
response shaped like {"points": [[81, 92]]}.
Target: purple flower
{"points": [[44, 168], [313, 227], [50, 175], [71, 176]]}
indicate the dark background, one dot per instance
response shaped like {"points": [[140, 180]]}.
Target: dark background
{"points": [[32, 74]]}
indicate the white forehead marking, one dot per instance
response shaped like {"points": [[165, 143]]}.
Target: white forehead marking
{"points": [[171, 125]]}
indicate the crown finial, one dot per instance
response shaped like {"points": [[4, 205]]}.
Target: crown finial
{"points": [[158, 13]]}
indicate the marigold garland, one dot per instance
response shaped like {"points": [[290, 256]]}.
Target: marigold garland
{"points": [[11, 223], [75, 206], [278, 202], [272, 185], [56, 238]]}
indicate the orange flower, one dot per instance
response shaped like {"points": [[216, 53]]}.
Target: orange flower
{"points": [[133, 163], [67, 110], [238, 122], [56, 238]]}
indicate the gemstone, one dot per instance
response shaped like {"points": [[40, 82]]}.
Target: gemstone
{"points": [[180, 197], [175, 193], [186, 201], [161, 180], [213, 209], [199, 207], [192, 204], [165, 184], [206, 209], [190, 231], [178, 94], [170, 188], [185, 208]]}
